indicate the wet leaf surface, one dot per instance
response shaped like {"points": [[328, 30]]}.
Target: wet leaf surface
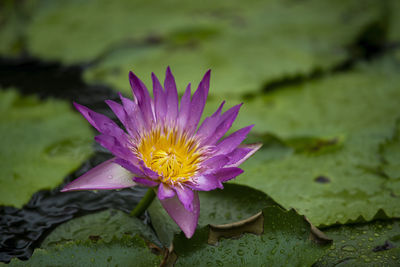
{"points": [[233, 203], [285, 241], [372, 244], [331, 128], [109, 237], [106, 226]]}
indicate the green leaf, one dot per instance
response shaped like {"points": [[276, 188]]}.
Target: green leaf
{"points": [[330, 130], [390, 152], [233, 203], [368, 244], [246, 44], [106, 238], [285, 240], [106, 226], [14, 16], [331, 106], [41, 142], [128, 251], [393, 21], [127, 24]]}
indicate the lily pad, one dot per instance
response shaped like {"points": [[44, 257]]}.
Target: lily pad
{"points": [[393, 21], [107, 238], [330, 131], [106, 226], [285, 240], [233, 203], [390, 152], [14, 15], [123, 252], [362, 99], [263, 41], [123, 24], [368, 244], [41, 142]]}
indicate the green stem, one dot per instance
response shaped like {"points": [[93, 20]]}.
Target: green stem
{"points": [[144, 203]]}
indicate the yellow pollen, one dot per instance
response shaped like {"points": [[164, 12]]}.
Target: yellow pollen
{"points": [[173, 156]]}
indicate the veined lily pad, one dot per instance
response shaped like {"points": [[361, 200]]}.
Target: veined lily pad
{"points": [[233, 203], [334, 127], [284, 240], [41, 142], [106, 226], [368, 244], [127, 251], [106, 238]]}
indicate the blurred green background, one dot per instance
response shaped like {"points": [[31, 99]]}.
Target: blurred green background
{"points": [[319, 79]]}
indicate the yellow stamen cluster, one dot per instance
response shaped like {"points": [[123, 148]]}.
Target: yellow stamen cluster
{"points": [[174, 156]]}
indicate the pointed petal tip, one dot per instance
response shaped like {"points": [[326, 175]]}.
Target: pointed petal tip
{"points": [[105, 176], [256, 146], [189, 234], [78, 106], [186, 220], [169, 76], [206, 77]]}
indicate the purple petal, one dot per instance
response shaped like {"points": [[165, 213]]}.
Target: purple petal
{"points": [[226, 174], [185, 195], [198, 102], [120, 112], [148, 172], [207, 128], [129, 166], [139, 89], [206, 182], [102, 123], [115, 146], [241, 154], [164, 191], [216, 162], [160, 104], [185, 108], [172, 95], [223, 125], [134, 114], [86, 113], [185, 219], [232, 141], [143, 98], [107, 175], [145, 182]]}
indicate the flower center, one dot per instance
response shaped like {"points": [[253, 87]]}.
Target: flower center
{"points": [[173, 156]]}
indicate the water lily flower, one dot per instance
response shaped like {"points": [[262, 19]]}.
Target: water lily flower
{"points": [[164, 149]]}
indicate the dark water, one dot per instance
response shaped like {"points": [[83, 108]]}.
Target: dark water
{"points": [[22, 230]]}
